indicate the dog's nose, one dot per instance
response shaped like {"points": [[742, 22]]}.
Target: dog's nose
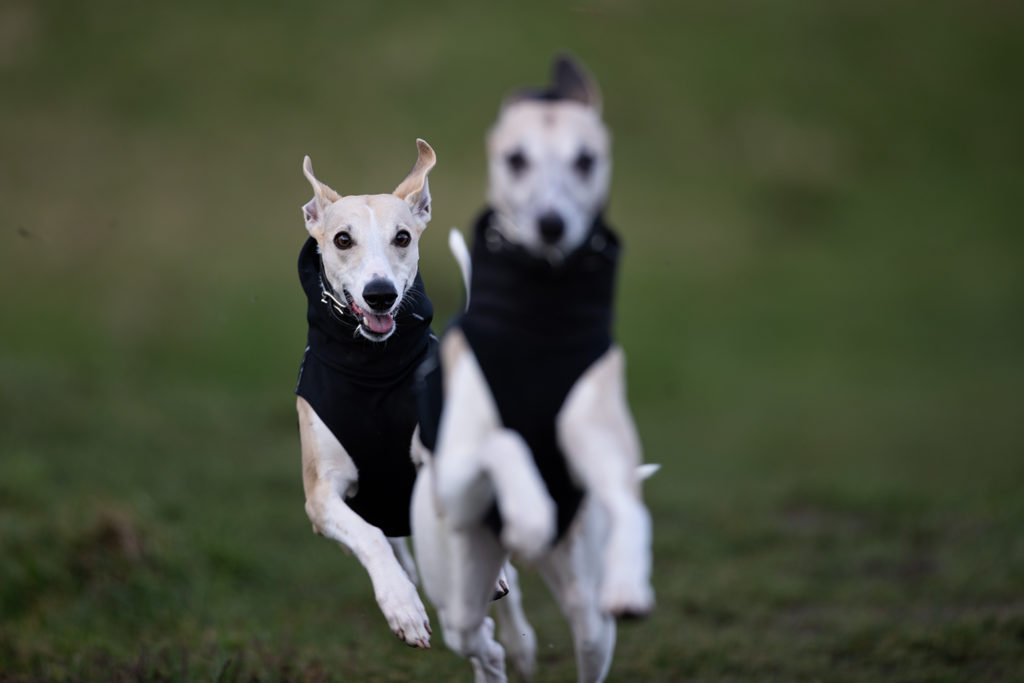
{"points": [[379, 294], [551, 227]]}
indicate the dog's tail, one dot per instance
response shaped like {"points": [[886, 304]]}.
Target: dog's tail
{"points": [[457, 244], [646, 471]]}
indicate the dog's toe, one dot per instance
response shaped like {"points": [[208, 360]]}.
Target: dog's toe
{"points": [[406, 615], [500, 591]]}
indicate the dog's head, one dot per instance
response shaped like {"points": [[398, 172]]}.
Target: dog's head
{"points": [[549, 163], [370, 243]]}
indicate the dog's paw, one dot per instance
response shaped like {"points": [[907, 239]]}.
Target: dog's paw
{"points": [[530, 531], [626, 597], [405, 614]]}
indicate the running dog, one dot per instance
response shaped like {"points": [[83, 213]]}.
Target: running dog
{"points": [[535, 450], [356, 401], [369, 331]]}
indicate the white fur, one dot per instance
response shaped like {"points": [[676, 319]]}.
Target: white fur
{"points": [[550, 136]]}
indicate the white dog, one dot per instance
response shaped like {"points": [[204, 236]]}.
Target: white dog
{"points": [[536, 452], [356, 402]]}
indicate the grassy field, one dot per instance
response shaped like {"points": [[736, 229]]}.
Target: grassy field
{"points": [[822, 300]]}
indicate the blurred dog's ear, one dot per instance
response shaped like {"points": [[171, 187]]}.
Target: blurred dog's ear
{"points": [[571, 81], [323, 196], [414, 189]]}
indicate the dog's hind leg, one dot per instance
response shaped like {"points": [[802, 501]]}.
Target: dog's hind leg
{"points": [[459, 570], [476, 558], [514, 631], [596, 431], [574, 577]]}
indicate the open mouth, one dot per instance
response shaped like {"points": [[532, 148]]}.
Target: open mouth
{"points": [[375, 326]]}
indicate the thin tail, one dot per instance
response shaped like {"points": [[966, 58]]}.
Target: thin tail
{"points": [[460, 251], [646, 471]]}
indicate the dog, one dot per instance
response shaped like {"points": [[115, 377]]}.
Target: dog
{"points": [[535, 452], [369, 329], [369, 333]]}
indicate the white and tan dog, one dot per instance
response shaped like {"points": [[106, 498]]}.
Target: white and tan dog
{"points": [[356, 400], [369, 332], [536, 452]]}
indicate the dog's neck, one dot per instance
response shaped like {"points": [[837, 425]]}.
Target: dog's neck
{"points": [[565, 303], [333, 334]]}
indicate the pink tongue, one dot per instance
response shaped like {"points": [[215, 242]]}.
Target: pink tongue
{"points": [[381, 324]]}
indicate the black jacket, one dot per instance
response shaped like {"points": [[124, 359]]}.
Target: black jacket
{"points": [[535, 328], [364, 392]]}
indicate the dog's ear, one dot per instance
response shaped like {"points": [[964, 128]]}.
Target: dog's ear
{"points": [[414, 189], [571, 81], [323, 196]]}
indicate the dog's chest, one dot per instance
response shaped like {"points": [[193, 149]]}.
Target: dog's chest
{"points": [[534, 331], [365, 393], [374, 424]]}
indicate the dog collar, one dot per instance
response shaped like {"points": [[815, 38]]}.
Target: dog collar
{"points": [[600, 239], [334, 335], [336, 305]]}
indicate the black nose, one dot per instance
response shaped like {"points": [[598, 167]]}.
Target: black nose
{"points": [[379, 294], [551, 227]]}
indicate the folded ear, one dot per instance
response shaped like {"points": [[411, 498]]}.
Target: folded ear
{"points": [[323, 196], [571, 81], [414, 189]]}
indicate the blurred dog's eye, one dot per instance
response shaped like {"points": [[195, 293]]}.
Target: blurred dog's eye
{"points": [[584, 163], [402, 239], [517, 162], [343, 240]]}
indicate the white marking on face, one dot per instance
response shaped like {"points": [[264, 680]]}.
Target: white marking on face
{"points": [[371, 239], [549, 167], [370, 243]]}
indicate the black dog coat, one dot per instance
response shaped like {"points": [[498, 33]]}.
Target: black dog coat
{"points": [[364, 392], [534, 329]]}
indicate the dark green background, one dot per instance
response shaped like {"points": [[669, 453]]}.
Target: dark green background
{"points": [[821, 300]]}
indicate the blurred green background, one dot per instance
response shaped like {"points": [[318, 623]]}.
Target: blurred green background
{"points": [[822, 300]]}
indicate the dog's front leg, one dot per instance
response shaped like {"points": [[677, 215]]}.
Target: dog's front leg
{"points": [[479, 462], [596, 431], [327, 472], [514, 630]]}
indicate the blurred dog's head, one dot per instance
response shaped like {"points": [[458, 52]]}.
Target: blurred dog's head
{"points": [[549, 163], [370, 243]]}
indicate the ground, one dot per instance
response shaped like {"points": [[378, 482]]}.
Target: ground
{"points": [[821, 301]]}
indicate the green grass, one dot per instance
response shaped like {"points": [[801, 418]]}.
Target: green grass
{"points": [[821, 300]]}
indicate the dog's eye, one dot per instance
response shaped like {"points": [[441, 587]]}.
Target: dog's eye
{"points": [[402, 239], [584, 163], [343, 240], [517, 162]]}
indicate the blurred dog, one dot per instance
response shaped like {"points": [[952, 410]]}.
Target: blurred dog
{"points": [[536, 452], [356, 401]]}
